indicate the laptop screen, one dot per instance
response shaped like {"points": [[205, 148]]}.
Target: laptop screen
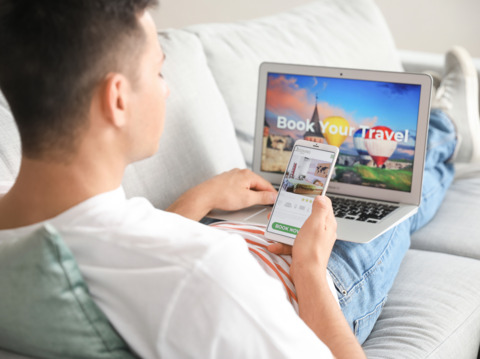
{"points": [[374, 124]]}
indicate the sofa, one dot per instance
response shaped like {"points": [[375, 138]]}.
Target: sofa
{"points": [[433, 309]]}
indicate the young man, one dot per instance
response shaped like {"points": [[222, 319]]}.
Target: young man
{"points": [[172, 287]]}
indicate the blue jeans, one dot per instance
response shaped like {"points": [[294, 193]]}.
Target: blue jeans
{"points": [[364, 273]]}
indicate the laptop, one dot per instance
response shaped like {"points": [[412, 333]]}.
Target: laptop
{"points": [[379, 121]]}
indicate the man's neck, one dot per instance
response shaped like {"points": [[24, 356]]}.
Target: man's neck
{"points": [[43, 190]]}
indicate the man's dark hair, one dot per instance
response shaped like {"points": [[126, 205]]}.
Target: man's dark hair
{"points": [[54, 54]]}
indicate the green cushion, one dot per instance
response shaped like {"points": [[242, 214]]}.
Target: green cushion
{"points": [[45, 307]]}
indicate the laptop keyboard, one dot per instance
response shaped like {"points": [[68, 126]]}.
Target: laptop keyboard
{"points": [[358, 210]]}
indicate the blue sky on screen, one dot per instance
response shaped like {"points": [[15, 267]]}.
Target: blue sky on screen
{"points": [[395, 105]]}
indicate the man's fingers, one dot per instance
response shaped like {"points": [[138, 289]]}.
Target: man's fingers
{"points": [[321, 204], [263, 197], [280, 248], [321, 216], [268, 197], [258, 183], [320, 209]]}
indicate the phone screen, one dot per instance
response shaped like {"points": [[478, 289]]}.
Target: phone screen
{"points": [[307, 176]]}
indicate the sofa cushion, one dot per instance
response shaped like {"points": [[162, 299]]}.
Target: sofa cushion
{"points": [[432, 310], [199, 139], [46, 310], [341, 33], [9, 143], [9, 355], [455, 229]]}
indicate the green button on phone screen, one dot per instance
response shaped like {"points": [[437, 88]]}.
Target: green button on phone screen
{"points": [[285, 228]]}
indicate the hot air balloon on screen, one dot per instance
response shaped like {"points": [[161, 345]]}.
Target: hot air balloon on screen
{"points": [[336, 130], [380, 144], [359, 143]]}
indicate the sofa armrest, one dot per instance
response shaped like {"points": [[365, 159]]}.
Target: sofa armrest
{"points": [[418, 61]]}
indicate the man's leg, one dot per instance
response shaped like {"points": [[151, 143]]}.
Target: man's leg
{"points": [[439, 173], [364, 273]]}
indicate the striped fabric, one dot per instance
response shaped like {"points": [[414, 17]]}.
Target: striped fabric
{"points": [[277, 266]]}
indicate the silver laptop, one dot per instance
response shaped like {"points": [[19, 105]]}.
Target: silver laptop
{"points": [[378, 119]]}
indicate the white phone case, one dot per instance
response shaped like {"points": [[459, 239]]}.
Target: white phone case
{"points": [[307, 175]]}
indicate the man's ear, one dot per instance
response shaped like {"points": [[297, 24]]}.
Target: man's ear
{"points": [[115, 94]]}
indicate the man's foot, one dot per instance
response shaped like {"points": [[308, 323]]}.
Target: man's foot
{"points": [[457, 96], [436, 77]]}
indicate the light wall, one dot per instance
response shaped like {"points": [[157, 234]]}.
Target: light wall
{"points": [[434, 25], [179, 13], [423, 25]]}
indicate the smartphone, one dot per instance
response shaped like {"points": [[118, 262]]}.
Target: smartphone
{"points": [[307, 175]]}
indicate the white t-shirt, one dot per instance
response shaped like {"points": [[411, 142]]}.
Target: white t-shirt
{"points": [[175, 288]]}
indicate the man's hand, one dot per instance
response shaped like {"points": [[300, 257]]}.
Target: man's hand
{"points": [[317, 307], [229, 191], [315, 239], [237, 189]]}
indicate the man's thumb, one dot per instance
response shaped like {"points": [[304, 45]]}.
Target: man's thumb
{"points": [[320, 204]]}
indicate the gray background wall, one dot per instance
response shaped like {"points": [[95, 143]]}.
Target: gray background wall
{"points": [[423, 25]]}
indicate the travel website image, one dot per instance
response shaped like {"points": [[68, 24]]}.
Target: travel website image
{"points": [[307, 173], [373, 124], [304, 179]]}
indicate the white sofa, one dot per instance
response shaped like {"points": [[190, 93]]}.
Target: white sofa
{"points": [[433, 309]]}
